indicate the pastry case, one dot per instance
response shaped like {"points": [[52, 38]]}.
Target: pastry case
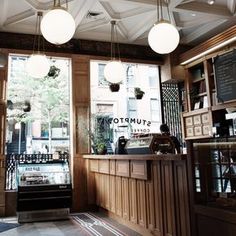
{"points": [[44, 190]]}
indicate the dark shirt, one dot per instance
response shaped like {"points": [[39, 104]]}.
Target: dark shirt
{"points": [[176, 143]]}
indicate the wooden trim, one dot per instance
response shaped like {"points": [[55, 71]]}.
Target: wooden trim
{"points": [[138, 157], [218, 39]]}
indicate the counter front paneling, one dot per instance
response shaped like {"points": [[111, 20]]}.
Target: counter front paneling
{"points": [[146, 192]]}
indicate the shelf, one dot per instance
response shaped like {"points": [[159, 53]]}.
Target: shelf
{"points": [[198, 80], [201, 94]]}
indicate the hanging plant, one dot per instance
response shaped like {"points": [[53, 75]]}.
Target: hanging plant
{"points": [[53, 72], [138, 93], [114, 87]]}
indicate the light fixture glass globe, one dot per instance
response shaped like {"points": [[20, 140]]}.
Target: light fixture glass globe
{"points": [[163, 38], [58, 26], [114, 72], [37, 66]]}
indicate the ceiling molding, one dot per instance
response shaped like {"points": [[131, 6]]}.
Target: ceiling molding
{"points": [[141, 27], [231, 4], [19, 17], [92, 25], [213, 42], [201, 30], [204, 8], [40, 6], [82, 10], [3, 15]]}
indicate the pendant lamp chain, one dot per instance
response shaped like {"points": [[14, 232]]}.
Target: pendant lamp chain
{"points": [[37, 35], [114, 41], [57, 3]]}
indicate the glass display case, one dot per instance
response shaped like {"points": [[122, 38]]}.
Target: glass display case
{"points": [[214, 165], [43, 174], [44, 190]]}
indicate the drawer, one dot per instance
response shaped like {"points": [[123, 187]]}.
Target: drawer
{"points": [[197, 120], [189, 121], [93, 165], [138, 169], [122, 168], [198, 130], [206, 130], [189, 132], [205, 118], [103, 166]]}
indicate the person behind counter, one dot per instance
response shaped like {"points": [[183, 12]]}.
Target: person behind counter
{"points": [[166, 131]]}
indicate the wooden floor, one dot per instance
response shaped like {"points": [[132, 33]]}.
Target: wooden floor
{"points": [[54, 228]]}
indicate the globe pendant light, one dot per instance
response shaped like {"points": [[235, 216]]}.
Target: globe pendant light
{"points": [[58, 26], [37, 65], [163, 38], [114, 71]]}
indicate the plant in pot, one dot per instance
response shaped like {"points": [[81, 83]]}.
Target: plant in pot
{"points": [[138, 93]]}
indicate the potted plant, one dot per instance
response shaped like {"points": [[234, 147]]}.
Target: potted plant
{"points": [[114, 87], [53, 72], [138, 93]]}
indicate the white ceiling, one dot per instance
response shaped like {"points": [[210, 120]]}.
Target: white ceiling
{"points": [[196, 20]]}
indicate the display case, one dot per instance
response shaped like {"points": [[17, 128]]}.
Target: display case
{"points": [[215, 172], [44, 190]]}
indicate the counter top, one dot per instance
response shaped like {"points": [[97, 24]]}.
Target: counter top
{"points": [[141, 157]]}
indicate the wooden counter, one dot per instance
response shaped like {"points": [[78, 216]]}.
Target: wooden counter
{"points": [[146, 192]]}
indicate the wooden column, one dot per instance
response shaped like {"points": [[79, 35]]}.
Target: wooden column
{"points": [[3, 81], [80, 97]]}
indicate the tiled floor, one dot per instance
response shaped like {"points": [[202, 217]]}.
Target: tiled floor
{"points": [[80, 224], [54, 228]]}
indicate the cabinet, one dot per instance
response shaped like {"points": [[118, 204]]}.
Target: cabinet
{"points": [[205, 109], [214, 185], [44, 191]]}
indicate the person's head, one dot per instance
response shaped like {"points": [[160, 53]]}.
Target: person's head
{"points": [[164, 129]]}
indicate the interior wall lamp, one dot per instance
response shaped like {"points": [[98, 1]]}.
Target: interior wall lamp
{"points": [[163, 37], [38, 64], [114, 71], [58, 26]]}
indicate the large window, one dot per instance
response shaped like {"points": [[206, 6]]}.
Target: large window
{"points": [[126, 115], [38, 110]]}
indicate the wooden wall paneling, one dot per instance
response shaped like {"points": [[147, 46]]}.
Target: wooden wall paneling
{"points": [[98, 189], [125, 198], [181, 199], [112, 191], [91, 186], [104, 166], [82, 125], [133, 200], [3, 81], [118, 196], [122, 168], [106, 192], [168, 198], [158, 207], [81, 79], [138, 169], [150, 202], [141, 201], [112, 167], [102, 190], [80, 200]]}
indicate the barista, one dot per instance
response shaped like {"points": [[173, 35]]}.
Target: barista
{"points": [[166, 131]]}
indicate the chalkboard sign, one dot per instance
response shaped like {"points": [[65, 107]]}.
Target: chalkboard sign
{"points": [[225, 73]]}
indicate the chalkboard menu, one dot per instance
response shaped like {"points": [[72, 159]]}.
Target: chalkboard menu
{"points": [[225, 73]]}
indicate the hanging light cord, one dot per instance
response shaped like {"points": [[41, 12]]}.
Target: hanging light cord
{"points": [[57, 3], [115, 47], [37, 36], [168, 9]]}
